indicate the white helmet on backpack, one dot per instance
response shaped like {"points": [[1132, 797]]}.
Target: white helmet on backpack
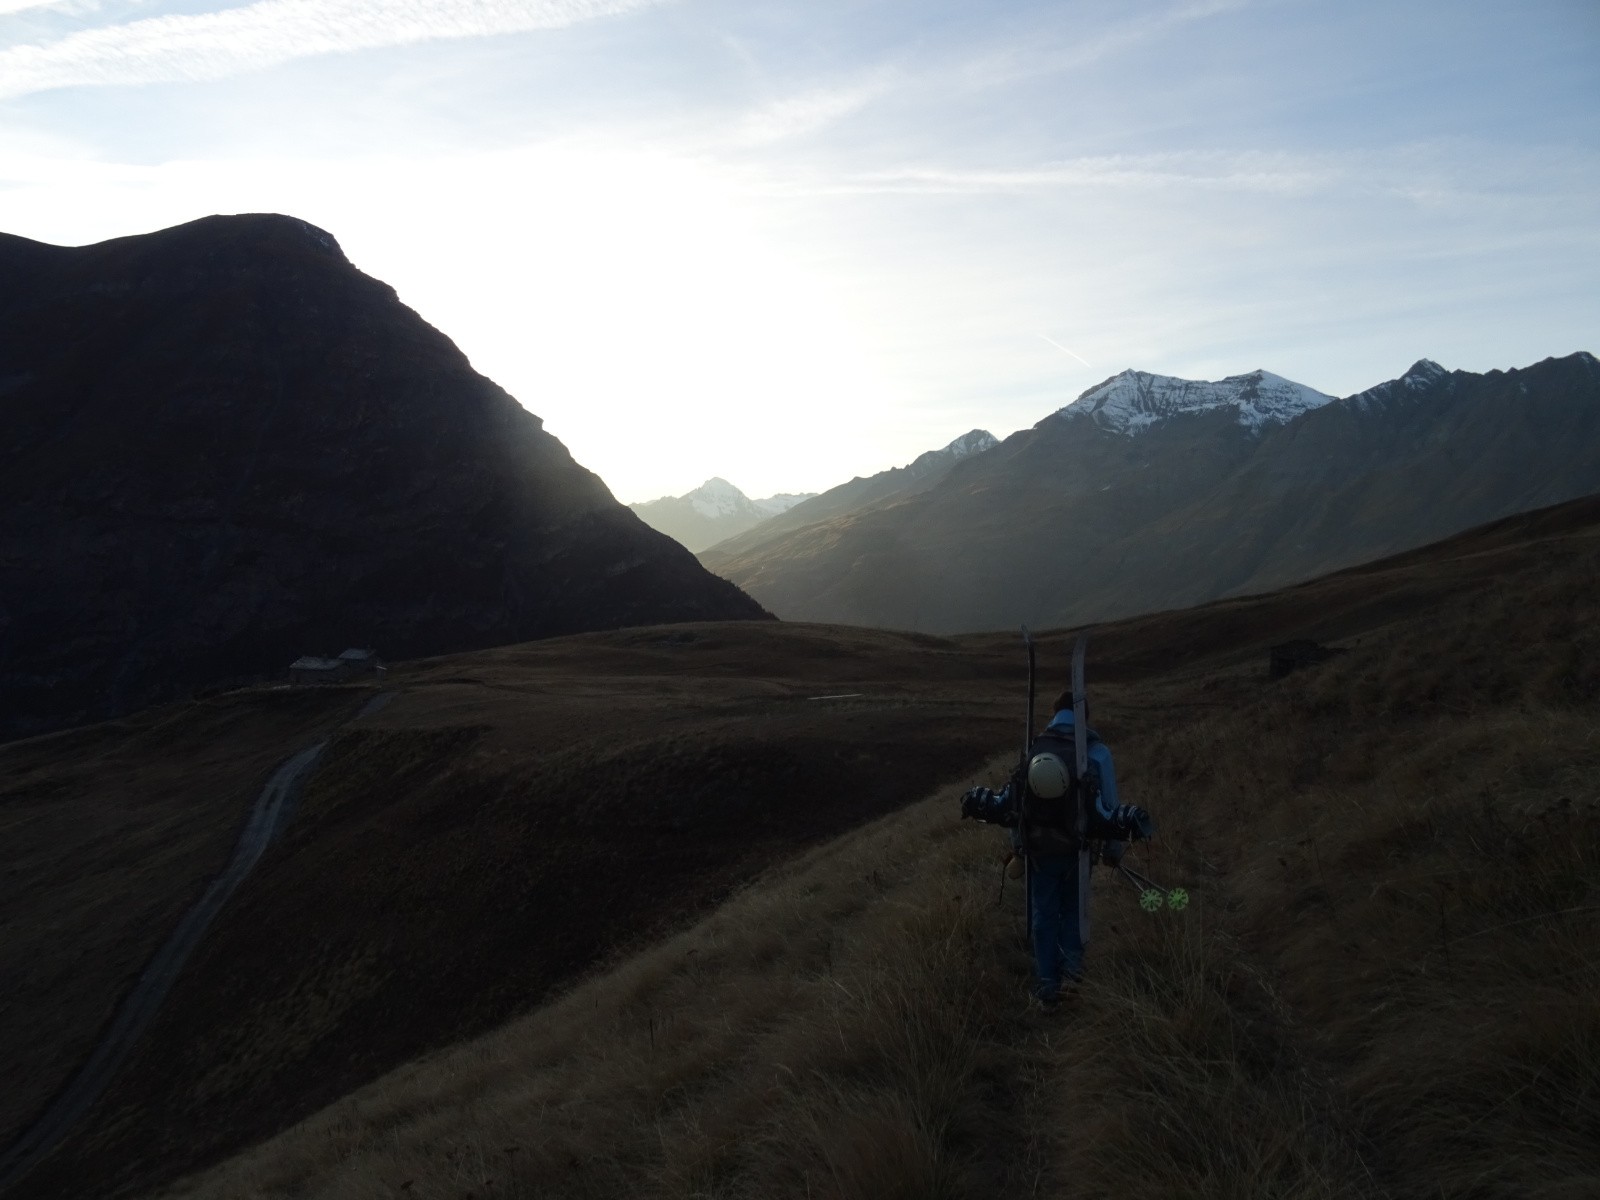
{"points": [[1048, 777]]}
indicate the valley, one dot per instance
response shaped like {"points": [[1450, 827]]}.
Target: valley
{"points": [[619, 842]]}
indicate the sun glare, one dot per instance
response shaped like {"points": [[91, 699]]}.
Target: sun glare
{"points": [[645, 304], [638, 304]]}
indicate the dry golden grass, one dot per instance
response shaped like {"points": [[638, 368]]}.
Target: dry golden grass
{"points": [[1385, 987]]}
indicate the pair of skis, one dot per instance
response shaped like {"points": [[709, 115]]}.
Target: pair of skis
{"points": [[1152, 896], [1080, 743], [1080, 706]]}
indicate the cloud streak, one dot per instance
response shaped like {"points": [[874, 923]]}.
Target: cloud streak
{"points": [[16, 6], [1027, 60], [1278, 174], [208, 46], [809, 112]]}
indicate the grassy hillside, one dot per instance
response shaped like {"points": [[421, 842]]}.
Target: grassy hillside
{"points": [[108, 834], [512, 817], [1384, 987]]}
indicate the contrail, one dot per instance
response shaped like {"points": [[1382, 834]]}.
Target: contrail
{"points": [[1064, 350]]}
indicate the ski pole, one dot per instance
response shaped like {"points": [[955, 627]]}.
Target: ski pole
{"points": [[1152, 895]]}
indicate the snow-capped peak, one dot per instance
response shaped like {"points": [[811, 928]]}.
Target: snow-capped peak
{"points": [[716, 497], [1135, 400]]}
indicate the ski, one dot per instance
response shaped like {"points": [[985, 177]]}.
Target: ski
{"points": [[1027, 730], [1022, 774], [1080, 740]]}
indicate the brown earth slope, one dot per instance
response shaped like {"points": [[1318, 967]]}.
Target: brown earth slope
{"points": [[510, 818], [1382, 987], [517, 815]]}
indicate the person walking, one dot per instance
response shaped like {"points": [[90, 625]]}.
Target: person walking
{"points": [[1060, 824]]}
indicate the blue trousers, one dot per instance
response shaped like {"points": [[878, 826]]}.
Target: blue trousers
{"points": [[1055, 912]]}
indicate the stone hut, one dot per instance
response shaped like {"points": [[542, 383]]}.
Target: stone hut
{"points": [[359, 662]]}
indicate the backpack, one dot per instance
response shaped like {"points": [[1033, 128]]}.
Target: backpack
{"points": [[1050, 825]]}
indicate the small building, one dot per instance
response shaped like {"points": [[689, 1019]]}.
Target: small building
{"points": [[359, 662], [310, 669]]}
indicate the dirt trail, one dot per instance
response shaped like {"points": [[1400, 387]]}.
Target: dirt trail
{"points": [[267, 818]]}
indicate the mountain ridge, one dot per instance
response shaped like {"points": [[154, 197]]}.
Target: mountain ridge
{"points": [[1133, 400], [1194, 505], [924, 471]]}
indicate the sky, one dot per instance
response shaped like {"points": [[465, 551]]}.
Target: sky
{"points": [[791, 243]]}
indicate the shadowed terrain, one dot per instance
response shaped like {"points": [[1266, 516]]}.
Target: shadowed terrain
{"points": [[223, 447], [525, 820], [511, 817]]}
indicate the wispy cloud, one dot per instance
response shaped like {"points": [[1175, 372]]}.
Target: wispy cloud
{"points": [[809, 111], [1277, 174], [16, 6], [1051, 56], [216, 45]]}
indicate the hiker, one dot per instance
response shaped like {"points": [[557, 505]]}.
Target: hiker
{"points": [[1045, 807]]}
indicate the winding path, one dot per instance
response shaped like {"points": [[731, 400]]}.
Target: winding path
{"points": [[267, 819]]}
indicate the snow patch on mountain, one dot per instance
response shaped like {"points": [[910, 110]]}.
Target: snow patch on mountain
{"points": [[782, 502], [1424, 375], [1135, 400], [974, 441]]}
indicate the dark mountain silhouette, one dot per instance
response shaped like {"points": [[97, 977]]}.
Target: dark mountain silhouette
{"points": [[222, 446], [1151, 493]]}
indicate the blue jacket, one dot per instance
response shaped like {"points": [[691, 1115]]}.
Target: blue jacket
{"points": [[1099, 760], [1001, 808]]}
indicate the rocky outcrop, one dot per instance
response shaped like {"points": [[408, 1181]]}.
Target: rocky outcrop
{"points": [[222, 446]]}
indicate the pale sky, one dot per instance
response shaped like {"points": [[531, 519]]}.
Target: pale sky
{"points": [[789, 243]]}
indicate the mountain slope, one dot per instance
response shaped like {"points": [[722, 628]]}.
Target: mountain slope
{"points": [[1382, 987], [222, 447], [1161, 498], [924, 472], [510, 819], [714, 511]]}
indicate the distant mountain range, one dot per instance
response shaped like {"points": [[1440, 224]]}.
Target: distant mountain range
{"points": [[863, 491], [712, 512], [1150, 492], [222, 447]]}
